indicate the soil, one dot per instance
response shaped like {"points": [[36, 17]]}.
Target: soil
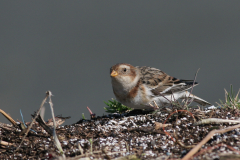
{"points": [[135, 135]]}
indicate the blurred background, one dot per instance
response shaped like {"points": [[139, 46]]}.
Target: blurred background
{"points": [[68, 47]]}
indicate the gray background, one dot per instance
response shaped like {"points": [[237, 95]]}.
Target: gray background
{"points": [[68, 47]]}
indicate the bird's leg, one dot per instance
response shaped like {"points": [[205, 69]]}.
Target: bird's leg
{"points": [[155, 106]]}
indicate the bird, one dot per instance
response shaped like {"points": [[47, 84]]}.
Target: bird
{"points": [[144, 87]]}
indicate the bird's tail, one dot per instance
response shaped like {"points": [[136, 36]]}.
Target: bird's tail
{"points": [[197, 99]]}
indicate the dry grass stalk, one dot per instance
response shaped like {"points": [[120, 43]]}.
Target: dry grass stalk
{"points": [[208, 149], [8, 117], [160, 125], [5, 143], [195, 77], [80, 148], [215, 120], [29, 127], [206, 139], [56, 140]]}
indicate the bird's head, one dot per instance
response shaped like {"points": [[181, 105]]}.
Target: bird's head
{"points": [[125, 75]]}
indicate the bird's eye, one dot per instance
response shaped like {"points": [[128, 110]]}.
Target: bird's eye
{"points": [[125, 69]]}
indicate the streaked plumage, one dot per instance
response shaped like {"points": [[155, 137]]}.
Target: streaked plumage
{"points": [[136, 87]]}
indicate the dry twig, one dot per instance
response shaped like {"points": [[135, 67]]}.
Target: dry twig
{"points": [[214, 147], [29, 127], [195, 77], [5, 143], [206, 139], [8, 117], [160, 125], [215, 120]]}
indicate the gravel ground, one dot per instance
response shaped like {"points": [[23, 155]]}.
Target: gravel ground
{"points": [[135, 135]]}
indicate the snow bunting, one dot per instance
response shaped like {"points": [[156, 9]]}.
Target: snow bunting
{"points": [[139, 87]]}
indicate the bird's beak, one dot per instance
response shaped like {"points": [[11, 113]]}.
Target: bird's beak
{"points": [[114, 73]]}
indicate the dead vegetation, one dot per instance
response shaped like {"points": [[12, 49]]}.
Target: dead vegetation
{"points": [[167, 134]]}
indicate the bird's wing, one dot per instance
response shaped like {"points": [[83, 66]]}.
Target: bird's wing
{"points": [[161, 83], [178, 86]]}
